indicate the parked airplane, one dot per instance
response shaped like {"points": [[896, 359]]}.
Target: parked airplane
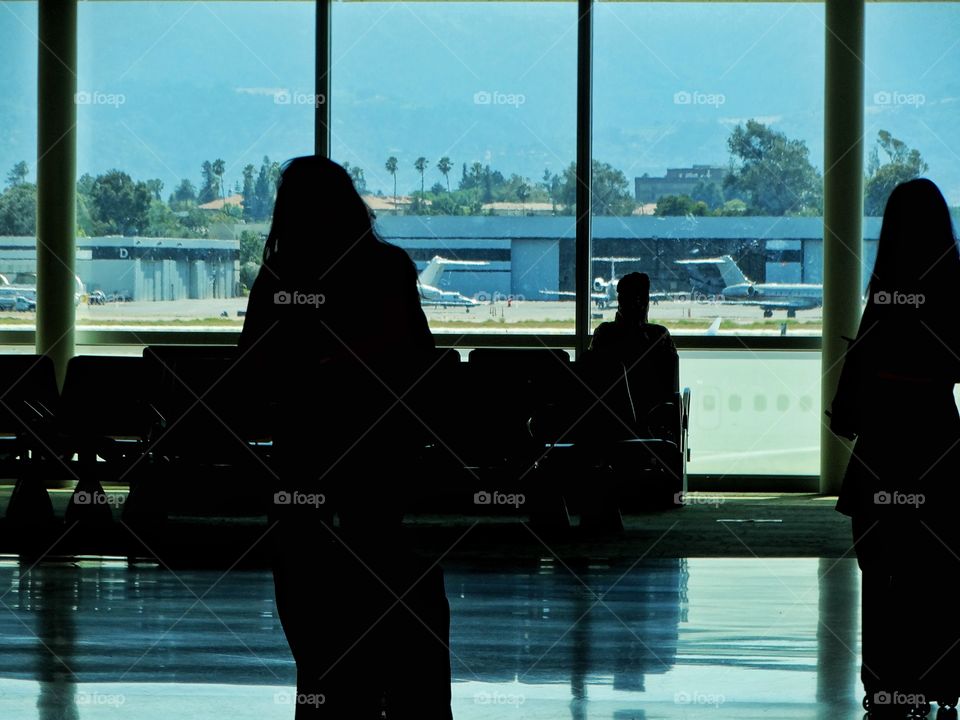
{"points": [[604, 292], [23, 297], [429, 280], [741, 290]]}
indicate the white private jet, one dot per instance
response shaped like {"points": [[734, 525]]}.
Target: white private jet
{"points": [[429, 280], [604, 292], [741, 290]]}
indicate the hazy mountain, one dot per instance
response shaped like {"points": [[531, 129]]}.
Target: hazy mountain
{"points": [[165, 86]]}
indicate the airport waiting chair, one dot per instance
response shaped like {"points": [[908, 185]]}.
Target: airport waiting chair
{"points": [[29, 450], [209, 446], [442, 471], [500, 390], [105, 419], [617, 440]]}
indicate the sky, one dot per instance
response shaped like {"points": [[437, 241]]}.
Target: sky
{"points": [[165, 86]]}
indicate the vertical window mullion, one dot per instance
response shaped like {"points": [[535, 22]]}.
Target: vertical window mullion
{"points": [[584, 175]]}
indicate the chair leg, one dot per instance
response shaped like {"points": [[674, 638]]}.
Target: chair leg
{"points": [[29, 505]]}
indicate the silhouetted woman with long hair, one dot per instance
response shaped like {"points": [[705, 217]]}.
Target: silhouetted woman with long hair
{"points": [[900, 488], [334, 332]]}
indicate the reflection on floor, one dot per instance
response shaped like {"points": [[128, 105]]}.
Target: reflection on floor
{"points": [[717, 638]]}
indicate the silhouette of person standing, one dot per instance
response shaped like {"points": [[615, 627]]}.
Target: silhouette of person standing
{"points": [[333, 334], [895, 398]]}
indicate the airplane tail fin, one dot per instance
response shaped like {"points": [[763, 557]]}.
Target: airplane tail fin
{"points": [[731, 272], [714, 327], [430, 275]]}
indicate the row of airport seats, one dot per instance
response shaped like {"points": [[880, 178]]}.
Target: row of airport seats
{"points": [[511, 431]]}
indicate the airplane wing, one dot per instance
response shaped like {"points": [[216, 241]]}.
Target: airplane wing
{"points": [[772, 304], [460, 302], [571, 293]]}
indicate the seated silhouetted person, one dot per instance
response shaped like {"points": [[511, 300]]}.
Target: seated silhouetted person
{"points": [[334, 334], [645, 350]]}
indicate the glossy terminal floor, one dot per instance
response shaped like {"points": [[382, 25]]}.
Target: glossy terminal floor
{"points": [[656, 638]]}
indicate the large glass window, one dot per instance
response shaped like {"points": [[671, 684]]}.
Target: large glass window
{"points": [[707, 172], [912, 96], [18, 174], [458, 122], [753, 413], [182, 126]]}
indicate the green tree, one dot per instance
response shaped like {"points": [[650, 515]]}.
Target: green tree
{"points": [[18, 174], [359, 180], [120, 205], [391, 166], [444, 165], [672, 205], [85, 224], [18, 210], [421, 164], [523, 192], [708, 192], [610, 194], [265, 189], [185, 194], [772, 173], [155, 188], [219, 167], [162, 221], [209, 190], [249, 192], [901, 163], [251, 256]]}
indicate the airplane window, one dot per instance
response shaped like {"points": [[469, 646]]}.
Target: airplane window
{"points": [[735, 402], [783, 403], [759, 403]]}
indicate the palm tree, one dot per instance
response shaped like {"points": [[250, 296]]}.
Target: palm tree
{"points": [[421, 166], [445, 166], [523, 192], [391, 167], [359, 181], [219, 168]]}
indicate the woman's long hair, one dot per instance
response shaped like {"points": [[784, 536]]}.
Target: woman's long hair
{"points": [[917, 256], [319, 221]]}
